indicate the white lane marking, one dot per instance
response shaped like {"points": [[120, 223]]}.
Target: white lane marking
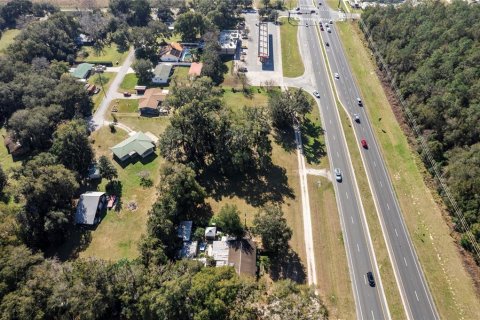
{"points": [[334, 138], [353, 223], [416, 295], [358, 247], [374, 164], [381, 185], [346, 194], [396, 232], [404, 259], [365, 278], [373, 316], [338, 155], [388, 207], [330, 121]]}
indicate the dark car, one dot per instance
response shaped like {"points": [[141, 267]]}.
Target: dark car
{"points": [[364, 143], [357, 117], [327, 44], [127, 94], [370, 278]]}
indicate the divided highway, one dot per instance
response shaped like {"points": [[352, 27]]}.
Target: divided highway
{"points": [[370, 301], [416, 296]]}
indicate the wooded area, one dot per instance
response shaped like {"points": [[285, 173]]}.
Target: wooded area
{"points": [[433, 53]]}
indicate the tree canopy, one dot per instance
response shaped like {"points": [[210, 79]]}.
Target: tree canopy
{"points": [[272, 227], [433, 52]]}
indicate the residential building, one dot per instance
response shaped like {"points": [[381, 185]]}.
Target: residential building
{"points": [[15, 148], [151, 102], [171, 52], [184, 230], [195, 70], [162, 72], [228, 41], [82, 71], [240, 254], [189, 250], [137, 144], [89, 207]]}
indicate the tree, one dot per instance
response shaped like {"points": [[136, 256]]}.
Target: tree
{"points": [[190, 25], [3, 179], [272, 227], [164, 10], [120, 7], [228, 220], [48, 192], [287, 106], [14, 9], [143, 69], [107, 169], [140, 13], [71, 146], [213, 66]]}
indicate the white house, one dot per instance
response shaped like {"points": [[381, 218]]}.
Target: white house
{"points": [[161, 74]]}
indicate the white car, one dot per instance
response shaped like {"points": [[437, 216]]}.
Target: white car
{"points": [[316, 94], [356, 117], [337, 76], [338, 174]]}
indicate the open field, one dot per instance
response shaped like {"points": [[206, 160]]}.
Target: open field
{"points": [[117, 235], [108, 54], [7, 39], [333, 276], [450, 284], [124, 105], [155, 125], [291, 59], [106, 79], [237, 99]]}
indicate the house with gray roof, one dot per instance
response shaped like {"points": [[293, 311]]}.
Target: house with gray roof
{"points": [[82, 71], [89, 207], [161, 74], [137, 144]]}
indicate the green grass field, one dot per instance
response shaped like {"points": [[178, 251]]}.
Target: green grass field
{"points": [[291, 60], [98, 79], [129, 83], [450, 283], [125, 105], [238, 99], [108, 54], [7, 39]]}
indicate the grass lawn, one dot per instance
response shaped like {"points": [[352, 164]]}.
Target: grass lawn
{"points": [[291, 59], [129, 83], [237, 99], [155, 125], [131, 80], [117, 235], [124, 105], [229, 78], [106, 79], [450, 283], [333, 277], [7, 38], [108, 54]]}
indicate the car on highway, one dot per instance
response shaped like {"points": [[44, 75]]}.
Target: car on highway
{"points": [[330, 21], [337, 76], [356, 117], [329, 30], [359, 101], [319, 3], [327, 44], [297, 9], [338, 174], [321, 28], [316, 94], [370, 278], [364, 143]]}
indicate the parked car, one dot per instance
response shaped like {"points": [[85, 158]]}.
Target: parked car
{"points": [[242, 69], [364, 143], [127, 94], [338, 174], [370, 278], [316, 94]]}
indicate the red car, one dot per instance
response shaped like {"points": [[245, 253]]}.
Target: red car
{"points": [[364, 143]]}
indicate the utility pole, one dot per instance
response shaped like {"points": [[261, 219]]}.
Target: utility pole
{"points": [[101, 83]]}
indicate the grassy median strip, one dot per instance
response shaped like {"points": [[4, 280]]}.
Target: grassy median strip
{"points": [[291, 60], [333, 277], [450, 284]]}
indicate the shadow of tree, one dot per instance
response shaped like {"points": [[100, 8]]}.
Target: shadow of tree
{"points": [[288, 266], [285, 138], [313, 148], [78, 240], [256, 187]]}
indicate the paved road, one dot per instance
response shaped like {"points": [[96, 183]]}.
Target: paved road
{"points": [[98, 118], [370, 301], [415, 294]]}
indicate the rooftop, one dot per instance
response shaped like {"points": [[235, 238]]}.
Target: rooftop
{"points": [[163, 70], [138, 143], [87, 207], [82, 70], [151, 98], [195, 69], [184, 230]]}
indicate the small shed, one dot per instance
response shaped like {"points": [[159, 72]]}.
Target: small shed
{"points": [[184, 230], [162, 72], [89, 206], [210, 233], [82, 71], [140, 89]]}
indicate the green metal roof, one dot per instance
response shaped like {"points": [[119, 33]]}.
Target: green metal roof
{"points": [[81, 71], [138, 143]]}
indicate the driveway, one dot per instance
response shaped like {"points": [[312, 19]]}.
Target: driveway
{"points": [[98, 118]]}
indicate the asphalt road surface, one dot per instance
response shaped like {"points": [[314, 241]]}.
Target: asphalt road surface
{"points": [[415, 294], [370, 301]]}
